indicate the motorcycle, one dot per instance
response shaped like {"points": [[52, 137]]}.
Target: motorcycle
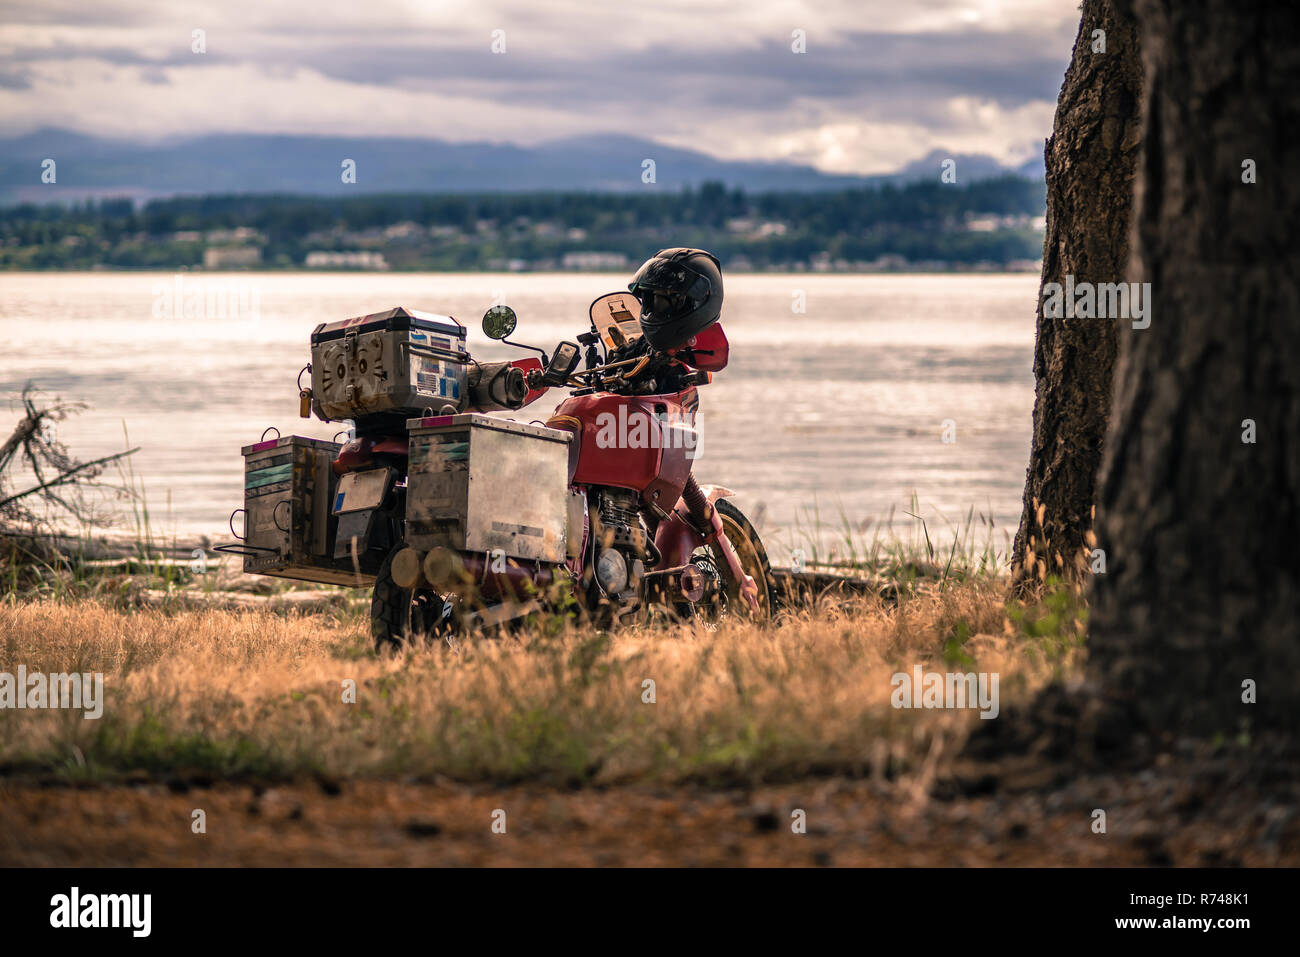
{"points": [[468, 520]]}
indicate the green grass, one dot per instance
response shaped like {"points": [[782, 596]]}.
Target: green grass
{"points": [[966, 551]]}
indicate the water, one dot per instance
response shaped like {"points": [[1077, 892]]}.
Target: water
{"points": [[836, 412]]}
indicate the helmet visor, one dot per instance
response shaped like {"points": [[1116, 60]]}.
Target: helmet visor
{"points": [[663, 285]]}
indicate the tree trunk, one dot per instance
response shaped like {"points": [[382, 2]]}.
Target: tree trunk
{"points": [[1090, 157], [1200, 517]]}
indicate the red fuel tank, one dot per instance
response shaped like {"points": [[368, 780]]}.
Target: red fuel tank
{"points": [[644, 443]]}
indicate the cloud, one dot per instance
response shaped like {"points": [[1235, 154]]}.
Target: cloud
{"points": [[14, 80], [880, 83]]}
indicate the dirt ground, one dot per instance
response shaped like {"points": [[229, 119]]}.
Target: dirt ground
{"points": [[848, 823]]}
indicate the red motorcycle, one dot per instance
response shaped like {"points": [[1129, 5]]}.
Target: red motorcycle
{"points": [[462, 519], [629, 531]]}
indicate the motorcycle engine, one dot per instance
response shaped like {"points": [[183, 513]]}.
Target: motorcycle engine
{"points": [[621, 540]]}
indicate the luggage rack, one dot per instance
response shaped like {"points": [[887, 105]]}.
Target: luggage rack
{"points": [[241, 546]]}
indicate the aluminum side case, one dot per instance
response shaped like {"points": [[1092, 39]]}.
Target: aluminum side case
{"points": [[478, 484], [400, 360], [288, 528]]}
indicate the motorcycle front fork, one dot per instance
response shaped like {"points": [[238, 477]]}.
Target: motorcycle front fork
{"points": [[707, 522]]}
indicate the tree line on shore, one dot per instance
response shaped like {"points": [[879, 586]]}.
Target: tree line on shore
{"points": [[988, 222]]}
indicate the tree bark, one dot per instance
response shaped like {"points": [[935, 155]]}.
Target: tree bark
{"points": [[1090, 157], [1202, 526]]}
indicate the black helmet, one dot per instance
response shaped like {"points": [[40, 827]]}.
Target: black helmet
{"points": [[680, 291]]}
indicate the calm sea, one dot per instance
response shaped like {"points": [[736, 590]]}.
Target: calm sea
{"points": [[834, 408]]}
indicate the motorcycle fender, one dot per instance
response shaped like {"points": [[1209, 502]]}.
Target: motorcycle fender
{"points": [[675, 538], [712, 493]]}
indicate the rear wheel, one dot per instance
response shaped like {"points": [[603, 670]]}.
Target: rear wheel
{"points": [[398, 615]]}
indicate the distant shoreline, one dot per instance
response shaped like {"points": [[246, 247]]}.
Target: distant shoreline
{"points": [[979, 226]]}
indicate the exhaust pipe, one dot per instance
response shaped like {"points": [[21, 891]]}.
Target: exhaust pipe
{"points": [[470, 575], [495, 386]]}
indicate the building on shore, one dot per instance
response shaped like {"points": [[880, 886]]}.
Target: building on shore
{"points": [[357, 259], [231, 257]]}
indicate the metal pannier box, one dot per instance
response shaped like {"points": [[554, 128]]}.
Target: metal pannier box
{"points": [[477, 484], [288, 526], [395, 361]]}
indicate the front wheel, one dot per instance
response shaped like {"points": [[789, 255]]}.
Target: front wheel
{"points": [[753, 559]]}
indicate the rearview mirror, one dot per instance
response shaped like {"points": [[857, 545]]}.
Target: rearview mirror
{"points": [[563, 362], [499, 322]]}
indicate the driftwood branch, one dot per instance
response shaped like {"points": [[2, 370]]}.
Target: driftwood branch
{"points": [[22, 434], [67, 476]]}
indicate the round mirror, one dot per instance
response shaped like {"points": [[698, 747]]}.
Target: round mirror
{"points": [[499, 322]]}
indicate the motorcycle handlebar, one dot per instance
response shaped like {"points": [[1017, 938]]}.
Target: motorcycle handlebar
{"points": [[502, 386]]}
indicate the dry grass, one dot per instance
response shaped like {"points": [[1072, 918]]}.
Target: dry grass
{"points": [[250, 693]]}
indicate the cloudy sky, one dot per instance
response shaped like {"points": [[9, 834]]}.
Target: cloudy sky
{"points": [[881, 83]]}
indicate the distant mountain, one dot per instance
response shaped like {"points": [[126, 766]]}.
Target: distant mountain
{"points": [[240, 163], [968, 167]]}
